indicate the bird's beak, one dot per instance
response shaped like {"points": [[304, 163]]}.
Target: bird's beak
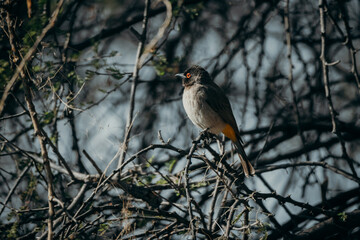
{"points": [[180, 75]]}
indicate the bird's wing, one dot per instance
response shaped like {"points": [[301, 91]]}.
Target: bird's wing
{"points": [[217, 100]]}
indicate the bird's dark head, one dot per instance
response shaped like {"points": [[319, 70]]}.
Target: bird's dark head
{"points": [[194, 74]]}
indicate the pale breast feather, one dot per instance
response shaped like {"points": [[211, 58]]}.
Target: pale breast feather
{"points": [[199, 112]]}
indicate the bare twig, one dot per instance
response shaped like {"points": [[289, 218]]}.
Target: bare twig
{"points": [[290, 76], [18, 180], [320, 164], [135, 77], [186, 186], [246, 221], [93, 163], [229, 223], [77, 175], [349, 42], [13, 116], [213, 202]]}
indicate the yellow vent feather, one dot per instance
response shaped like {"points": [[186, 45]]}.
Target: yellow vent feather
{"points": [[229, 132]]}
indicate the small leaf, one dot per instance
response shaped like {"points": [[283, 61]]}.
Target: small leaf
{"points": [[170, 164], [48, 117], [342, 216]]}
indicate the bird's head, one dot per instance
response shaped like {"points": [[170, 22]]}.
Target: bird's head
{"points": [[194, 74]]}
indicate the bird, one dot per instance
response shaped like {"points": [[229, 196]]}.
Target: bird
{"points": [[207, 107]]}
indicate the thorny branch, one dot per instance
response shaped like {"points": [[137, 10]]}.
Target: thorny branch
{"points": [[325, 64], [166, 186]]}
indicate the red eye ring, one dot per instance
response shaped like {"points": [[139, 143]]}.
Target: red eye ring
{"points": [[188, 75]]}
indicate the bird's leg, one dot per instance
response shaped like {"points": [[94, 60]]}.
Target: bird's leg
{"points": [[221, 144], [206, 136]]}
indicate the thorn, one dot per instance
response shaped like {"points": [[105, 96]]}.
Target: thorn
{"points": [[333, 63], [160, 137]]}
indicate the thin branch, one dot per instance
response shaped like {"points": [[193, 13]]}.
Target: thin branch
{"points": [[77, 175], [93, 163], [17, 182], [213, 202], [14, 116], [290, 76], [135, 76], [349, 43], [246, 221], [189, 198], [229, 222], [320, 164]]}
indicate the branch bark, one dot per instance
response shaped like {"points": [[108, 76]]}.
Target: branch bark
{"points": [[42, 139]]}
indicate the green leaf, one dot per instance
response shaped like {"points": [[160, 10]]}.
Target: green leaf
{"points": [[161, 181], [102, 90], [237, 218], [115, 73], [149, 161], [113, 53], [342, 216], [48, 117], [36, 68], [170, 164], [147, 178], [265, 236], [12, 232], [75, 55], [103, 228], [198, 185]]}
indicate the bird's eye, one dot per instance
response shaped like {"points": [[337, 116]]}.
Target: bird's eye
{"points": [[188, 75]]}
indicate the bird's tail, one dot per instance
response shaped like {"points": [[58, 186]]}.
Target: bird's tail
{"points": [[248, 168]]}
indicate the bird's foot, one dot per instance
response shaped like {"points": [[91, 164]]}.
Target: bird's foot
{"points": [[206, 136]]}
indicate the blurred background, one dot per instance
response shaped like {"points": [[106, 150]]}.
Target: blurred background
{"points": [[289, 69]]}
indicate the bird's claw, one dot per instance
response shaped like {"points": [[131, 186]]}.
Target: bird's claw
{"points": [[206, 136]]}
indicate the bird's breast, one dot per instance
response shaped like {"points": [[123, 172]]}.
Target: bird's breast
{"points": [[199, 111]]}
